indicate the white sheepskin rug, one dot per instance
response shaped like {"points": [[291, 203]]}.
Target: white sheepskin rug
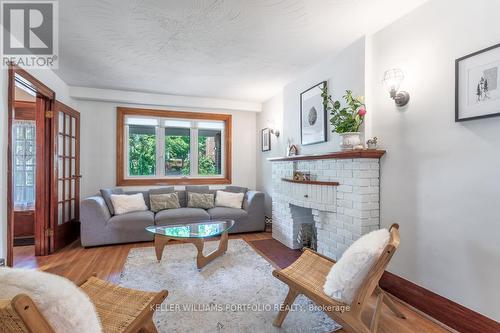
{"points": [[63, 304], [348, 273]]}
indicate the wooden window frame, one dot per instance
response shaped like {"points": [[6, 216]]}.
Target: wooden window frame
{"points": [[122, 180]]}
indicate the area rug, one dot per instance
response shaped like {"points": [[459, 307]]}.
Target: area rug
{"points": [[234, 293]]}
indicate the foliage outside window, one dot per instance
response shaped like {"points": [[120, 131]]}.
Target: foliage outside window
{"points": [[173, 148]]}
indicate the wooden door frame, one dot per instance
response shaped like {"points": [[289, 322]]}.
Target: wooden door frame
{"points": [[71, 228], [40, 223]]}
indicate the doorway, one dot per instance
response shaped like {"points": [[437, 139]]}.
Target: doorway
{"points": [[43, 171]]}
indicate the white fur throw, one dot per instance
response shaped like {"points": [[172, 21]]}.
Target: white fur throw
{"points": [[348, 273], [229, 199], [64, 305], [126, 203]]}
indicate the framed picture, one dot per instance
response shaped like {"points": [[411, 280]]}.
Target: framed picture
{"points": [[477, 85], [266, 139], [312, 115]]}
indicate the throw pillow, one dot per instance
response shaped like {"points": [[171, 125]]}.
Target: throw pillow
{"points": [[65, 306], [164, 201], [348, 273], [228, 199], [126, 203], [106, 195], [200, 200]]}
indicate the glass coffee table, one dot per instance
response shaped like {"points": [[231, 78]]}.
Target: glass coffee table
{"points": [[194, 233]]}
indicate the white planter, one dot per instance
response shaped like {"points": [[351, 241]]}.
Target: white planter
{"points": [[350, 140]]}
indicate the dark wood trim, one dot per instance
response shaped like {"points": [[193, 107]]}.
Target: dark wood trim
{"points": [[121, 112], [440, 308], [312, 182], [24, 110], [42, 91], [365, 153]]}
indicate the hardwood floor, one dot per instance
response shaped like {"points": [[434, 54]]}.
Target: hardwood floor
{"points": [[75, 262]]}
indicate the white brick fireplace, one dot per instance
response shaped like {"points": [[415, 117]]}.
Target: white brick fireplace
{"points": [[341, 212]]}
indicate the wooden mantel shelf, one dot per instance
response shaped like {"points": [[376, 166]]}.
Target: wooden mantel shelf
{"points": [[365, 153], [312, 182]]}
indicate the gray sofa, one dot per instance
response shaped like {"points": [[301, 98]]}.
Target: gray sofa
{"points": [[99, 225]]}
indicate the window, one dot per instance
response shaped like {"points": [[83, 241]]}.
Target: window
{"points": [[169, 147], [23, 133]]}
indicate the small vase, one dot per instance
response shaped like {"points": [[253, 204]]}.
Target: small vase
{"points": [[350, 140]]}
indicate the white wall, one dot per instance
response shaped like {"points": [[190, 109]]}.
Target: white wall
{"points": [[343, 71], [440, 179], [98, 144]]}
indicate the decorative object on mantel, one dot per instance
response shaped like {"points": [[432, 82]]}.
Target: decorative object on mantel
{"points": [[372, 143], [292, 149], [301, 176], [392, 80], [313, 115], [477, 84], [346, 120], [266, 139]]}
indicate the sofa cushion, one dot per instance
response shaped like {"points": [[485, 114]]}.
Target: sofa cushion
{"points": [[162, 190], [127, 203], [106, 195], [229, 199], [200, 200], [198, 189], [225, 213], [145, 194], [236, 189], [179, 215], [132, 221], [164, 201]]}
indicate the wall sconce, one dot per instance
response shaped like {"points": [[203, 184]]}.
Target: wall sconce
{"points": [[392, 80], [275, 132]]}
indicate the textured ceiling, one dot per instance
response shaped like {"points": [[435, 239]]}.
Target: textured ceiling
{"points": [[235, 49]]}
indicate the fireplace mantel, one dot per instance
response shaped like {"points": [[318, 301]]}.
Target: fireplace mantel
{"points": [[365, 153]]}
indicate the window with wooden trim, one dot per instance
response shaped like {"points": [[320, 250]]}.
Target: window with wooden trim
{"points": [[170, 147]]}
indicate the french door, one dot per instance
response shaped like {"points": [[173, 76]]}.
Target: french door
{"points": [[65, 204]]}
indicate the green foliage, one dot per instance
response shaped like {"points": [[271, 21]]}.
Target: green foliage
{"points": [[347, 118], [206, 165], [177, 148], [142, 155]]}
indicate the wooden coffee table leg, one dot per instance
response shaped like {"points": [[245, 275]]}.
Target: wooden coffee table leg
{"points": [[160, 242], [202, 260]]}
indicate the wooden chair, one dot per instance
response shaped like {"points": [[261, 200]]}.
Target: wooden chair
{"points": [[307, 276], [119, 309]]}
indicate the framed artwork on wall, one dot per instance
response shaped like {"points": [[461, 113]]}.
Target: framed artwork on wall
{"points": [[266, 139], [312, 115], [477, 84]]}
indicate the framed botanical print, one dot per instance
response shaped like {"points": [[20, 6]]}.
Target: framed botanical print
{"points": [[312, 115], [477, 84], [266, 139]]}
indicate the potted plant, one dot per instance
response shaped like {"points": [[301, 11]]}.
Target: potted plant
{"points": [[347, 119]]}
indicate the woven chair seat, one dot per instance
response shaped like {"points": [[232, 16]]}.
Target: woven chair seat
{"points": [[9, 320], [309, 271], [117, 307]]}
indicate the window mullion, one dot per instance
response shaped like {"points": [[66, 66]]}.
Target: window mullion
{"points": [[193, 154], [160, 150]]}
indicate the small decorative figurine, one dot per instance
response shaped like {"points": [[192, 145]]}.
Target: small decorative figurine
{"points": [[292, 150], [372, 143]]}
